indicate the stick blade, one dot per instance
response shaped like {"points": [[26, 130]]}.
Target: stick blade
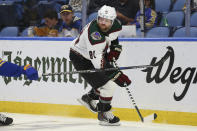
{"points": [[150, 118]]}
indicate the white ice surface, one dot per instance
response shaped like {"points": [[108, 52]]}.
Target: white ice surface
{"points": [[24, 122]]}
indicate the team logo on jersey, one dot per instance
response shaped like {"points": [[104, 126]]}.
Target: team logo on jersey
{"points": [[96, 36]]}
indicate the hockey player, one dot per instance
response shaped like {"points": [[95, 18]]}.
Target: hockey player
{"points": [[12, 70], [90, 51]]}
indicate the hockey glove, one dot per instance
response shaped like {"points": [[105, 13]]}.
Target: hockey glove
{"points": [[114, 53], [30, 72], [121, 79]]}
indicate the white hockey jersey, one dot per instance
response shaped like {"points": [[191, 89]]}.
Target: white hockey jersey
{"points": [[92, 43]]}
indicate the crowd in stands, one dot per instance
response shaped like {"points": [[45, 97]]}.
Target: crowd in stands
{"points": [[63, 18]]}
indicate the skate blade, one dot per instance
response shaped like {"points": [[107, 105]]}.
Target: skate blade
{"points": [[86, 105], [104, 123]]}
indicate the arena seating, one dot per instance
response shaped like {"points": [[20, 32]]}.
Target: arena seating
{"points": [[11, 15], [181, 32], [9, 31], [158, 32]]}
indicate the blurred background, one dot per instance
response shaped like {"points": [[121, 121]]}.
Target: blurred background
{"points": [[140, 18]]}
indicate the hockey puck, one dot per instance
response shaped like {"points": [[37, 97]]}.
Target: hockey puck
{"points": [[155, 116]]}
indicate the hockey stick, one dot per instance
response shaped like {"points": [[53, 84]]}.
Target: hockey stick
{"points": [[99, 70], [143, 119], [154, 115], [111, 69], [134, 104]]}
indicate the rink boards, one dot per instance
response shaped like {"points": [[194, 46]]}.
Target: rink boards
{"points": [[169, 89]]}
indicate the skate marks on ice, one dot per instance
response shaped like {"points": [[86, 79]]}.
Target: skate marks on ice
{"points": [[23, 122], [46, 125]]}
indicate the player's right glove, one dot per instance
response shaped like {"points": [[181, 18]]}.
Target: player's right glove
{"points": [[114, 53], [30, 72], [121, 79]]}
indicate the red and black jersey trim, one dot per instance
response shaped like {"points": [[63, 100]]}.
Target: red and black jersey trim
{"points": [[107, 99], [115, 27]]}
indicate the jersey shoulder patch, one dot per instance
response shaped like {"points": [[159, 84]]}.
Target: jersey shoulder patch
{"points": [[116, 26], [94, 35]]}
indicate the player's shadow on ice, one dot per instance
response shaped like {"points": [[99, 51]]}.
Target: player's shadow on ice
{"points": [[35, 125]]}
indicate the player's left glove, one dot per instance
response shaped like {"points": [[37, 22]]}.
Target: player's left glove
{"points": [[30, 72], [114, 53]]}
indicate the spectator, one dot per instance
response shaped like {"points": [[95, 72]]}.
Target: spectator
{"points": [[95, 5], [150, 15], [126, 10], [76, 5], [71, 25], [51, 25], [193, 6], [194, 2], [31, 16]]}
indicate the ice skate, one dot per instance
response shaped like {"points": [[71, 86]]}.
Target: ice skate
{"points": [[4, 120], [89, 103], [108, 119]]}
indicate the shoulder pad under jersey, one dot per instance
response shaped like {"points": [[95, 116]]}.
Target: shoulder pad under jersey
{"points": [[94, 34], [115, 27]]}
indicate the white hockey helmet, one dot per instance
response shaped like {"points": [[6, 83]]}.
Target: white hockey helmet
{"points": [[107, 12]]}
